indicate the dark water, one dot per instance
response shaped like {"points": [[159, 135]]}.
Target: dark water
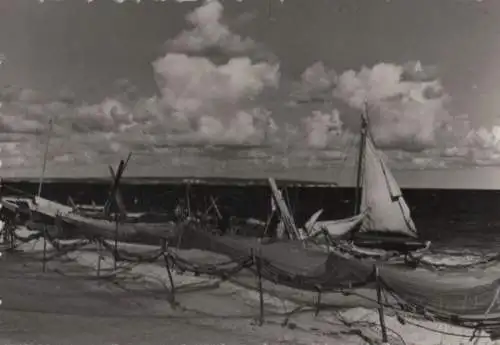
{"points": [[468, 219]]}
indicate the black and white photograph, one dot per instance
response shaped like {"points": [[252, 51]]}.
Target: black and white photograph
{"points": [[233, 172]]}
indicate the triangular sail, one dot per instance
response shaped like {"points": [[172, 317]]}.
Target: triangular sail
{"points": [[336, 228], [382, 198]]}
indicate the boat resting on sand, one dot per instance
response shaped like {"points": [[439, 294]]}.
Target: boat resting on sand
{"points": [[146, 233], [382, 219], [455, 298], [33, 208]]}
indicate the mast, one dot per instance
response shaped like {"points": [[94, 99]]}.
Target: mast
{"points": [[361, 153], [45, 155]]}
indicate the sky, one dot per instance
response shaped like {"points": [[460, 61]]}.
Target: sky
{"points": [[252, 88]]}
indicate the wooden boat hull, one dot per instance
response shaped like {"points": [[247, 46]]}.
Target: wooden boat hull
{"points": [[145, 233], [390, 243]]}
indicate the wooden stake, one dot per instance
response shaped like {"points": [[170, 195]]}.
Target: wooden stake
{"points": [[268, 222], [169, 272], [4, 231], [188, 200], [318, 301], [12, 239], [258, 264], [6, 234], [284, 212], [116, 242], [99, 257], [44, 263], [380, 306], [214, 205]]}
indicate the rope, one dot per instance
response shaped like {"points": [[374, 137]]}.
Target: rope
{"points": [[444, 332], [219, 270], [17, 191], [123, 255]]}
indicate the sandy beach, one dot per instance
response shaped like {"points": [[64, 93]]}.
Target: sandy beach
{"points": [[67, 304]]}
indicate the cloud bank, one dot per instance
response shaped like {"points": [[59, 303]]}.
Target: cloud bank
{"points": [[408, 114], [209, 83], [214, 87]]}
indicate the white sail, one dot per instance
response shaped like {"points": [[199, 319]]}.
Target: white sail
{"points": [[336, 228], [382, 198], [309, 225]]}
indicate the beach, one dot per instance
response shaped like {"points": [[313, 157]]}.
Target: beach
{"points": [[68, 304]]}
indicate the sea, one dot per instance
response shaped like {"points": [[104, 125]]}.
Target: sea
{"points": [[453, 219]]}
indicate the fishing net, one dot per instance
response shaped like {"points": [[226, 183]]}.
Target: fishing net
{"points": [[223, 269], [306, 268], [121, 254]]}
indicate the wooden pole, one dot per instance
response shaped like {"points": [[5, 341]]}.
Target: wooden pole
{"points": [[116, 242], [268, 223], [359, 163], [380, 306], [7, 233], [99, 257], [258, 264], [318, 301], [45, 155], [44, 263], [12, 239], [169, 272], [2, 233], [188, 200], [285, 215]]}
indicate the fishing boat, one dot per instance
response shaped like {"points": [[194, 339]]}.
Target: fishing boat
{"points": [[144, 233], [382, 219]]}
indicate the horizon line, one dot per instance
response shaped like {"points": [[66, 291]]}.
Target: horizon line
{"points": [[209, 180]]}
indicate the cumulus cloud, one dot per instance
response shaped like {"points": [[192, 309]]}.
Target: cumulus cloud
{"points": [[408, 114], [460, 142], [189, 84], [317, 82], [323, 129], [214, 102], [213, 85], [201, 100], [407, 104], [210, 102], [406, 107], [480, 146], [209, 32]]}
